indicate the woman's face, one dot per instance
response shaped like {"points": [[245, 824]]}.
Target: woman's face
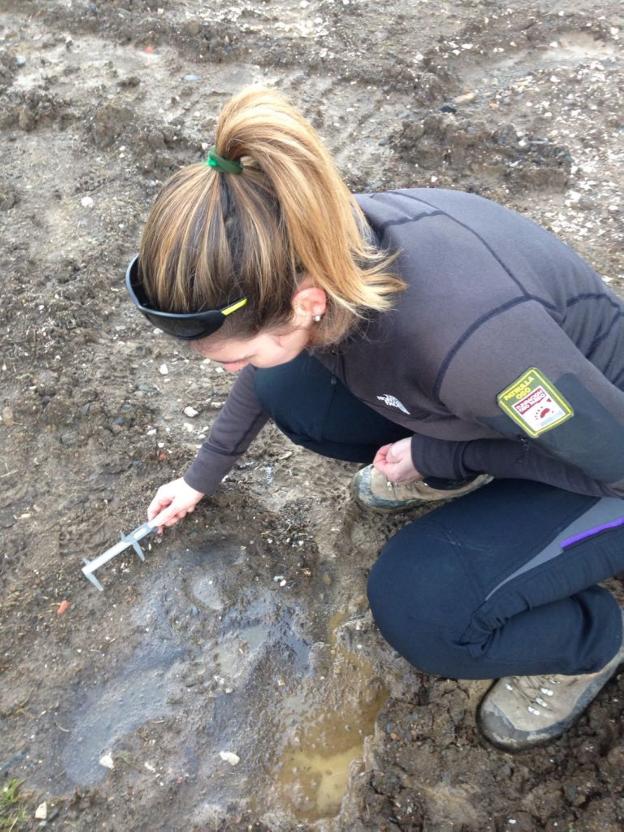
{"points": [[268, 349], [278, 346]]}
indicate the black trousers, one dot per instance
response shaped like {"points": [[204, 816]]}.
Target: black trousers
{"points": [[480, 587]]}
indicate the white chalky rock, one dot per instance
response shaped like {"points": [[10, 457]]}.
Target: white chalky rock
{"points": [[86, 202], [190, 412], [163, 369], [107, 761], [230, 757], [41, 812]]}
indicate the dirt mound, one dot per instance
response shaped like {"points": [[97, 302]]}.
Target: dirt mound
{"points": [[467, 151]]}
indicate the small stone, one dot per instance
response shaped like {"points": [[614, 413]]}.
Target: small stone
{"points": [[190, 412], [163, 370], [466, 98], [86, 202], [149, 767], [193, 27], [7, 417], [20, 60], [107, 761], [191, 77], [230, 757]]}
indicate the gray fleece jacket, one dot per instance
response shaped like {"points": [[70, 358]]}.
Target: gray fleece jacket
{"points": [[504, 355]]}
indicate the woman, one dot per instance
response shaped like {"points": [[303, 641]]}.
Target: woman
{"points": [[458, 347]]}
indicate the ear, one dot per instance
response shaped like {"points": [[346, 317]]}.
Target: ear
{"points": [[309, 302]]}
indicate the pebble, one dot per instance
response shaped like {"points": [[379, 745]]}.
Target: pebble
{"points": [[466, 98], [41, 812], [191, 77], [107, 761], [20, 60], [86, 202], [230, 757], [193, 27], [190, 412], [7, 417], [163, 370]]}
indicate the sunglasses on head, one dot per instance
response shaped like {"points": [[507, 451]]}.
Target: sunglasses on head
{"points": [[185, 325]]}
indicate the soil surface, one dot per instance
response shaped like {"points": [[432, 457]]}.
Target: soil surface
{"points": [[235, 680]]}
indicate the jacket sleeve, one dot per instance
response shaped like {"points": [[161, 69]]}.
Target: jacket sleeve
{"points": [[236, 426], [560, 420]]}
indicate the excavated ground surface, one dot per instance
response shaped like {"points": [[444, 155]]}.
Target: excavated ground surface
{"points": [[246, 630]]}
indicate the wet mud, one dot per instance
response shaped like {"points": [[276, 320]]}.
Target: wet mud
{"points": [[235, 679]]}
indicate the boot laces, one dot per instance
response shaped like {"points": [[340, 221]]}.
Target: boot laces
{"points": [[538, 692], [399, 489]]}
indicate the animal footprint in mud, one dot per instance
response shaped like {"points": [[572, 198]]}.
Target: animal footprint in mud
{"points": [[73, 540]]}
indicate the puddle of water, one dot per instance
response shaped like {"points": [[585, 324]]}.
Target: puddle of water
{"points": [[113, 710], [137, 691], [312, 777], [312, 774]]}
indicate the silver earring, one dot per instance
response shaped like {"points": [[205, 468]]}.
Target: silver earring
{"points": [[318, 318]]}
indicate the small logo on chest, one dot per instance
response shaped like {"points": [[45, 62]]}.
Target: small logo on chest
{"points": [[392, 401]]}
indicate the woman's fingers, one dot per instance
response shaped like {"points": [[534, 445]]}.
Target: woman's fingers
{"points": [[156, 506], [172, 502], [164, 516], [381, 455]]}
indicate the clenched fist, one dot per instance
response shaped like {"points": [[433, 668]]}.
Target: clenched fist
{"points": [[395, 461], [172, 502]]}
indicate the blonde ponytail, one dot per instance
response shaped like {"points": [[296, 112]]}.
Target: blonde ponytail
{"points": [[214, 237]]}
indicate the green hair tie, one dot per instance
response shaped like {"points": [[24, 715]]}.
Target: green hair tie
{"points": [[221, 164]]}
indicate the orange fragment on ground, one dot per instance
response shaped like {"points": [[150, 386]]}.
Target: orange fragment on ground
{"points": [[62, 607]]}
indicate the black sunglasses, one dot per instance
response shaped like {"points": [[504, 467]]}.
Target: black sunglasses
{"points": [[185, 325]]}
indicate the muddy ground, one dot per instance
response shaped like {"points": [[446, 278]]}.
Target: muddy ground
{"points": [[246, 630]]}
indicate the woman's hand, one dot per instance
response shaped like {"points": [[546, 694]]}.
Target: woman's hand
{"points": [[395, 461], [172, 502]]}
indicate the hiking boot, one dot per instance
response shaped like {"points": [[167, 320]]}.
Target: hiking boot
{"points": [[371, 489], [522, 711]]}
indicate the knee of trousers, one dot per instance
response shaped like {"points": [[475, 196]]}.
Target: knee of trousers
{"points": [[418, 598]]}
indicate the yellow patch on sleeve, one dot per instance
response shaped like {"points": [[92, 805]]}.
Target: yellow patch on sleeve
{"points": [[534, 403]]}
